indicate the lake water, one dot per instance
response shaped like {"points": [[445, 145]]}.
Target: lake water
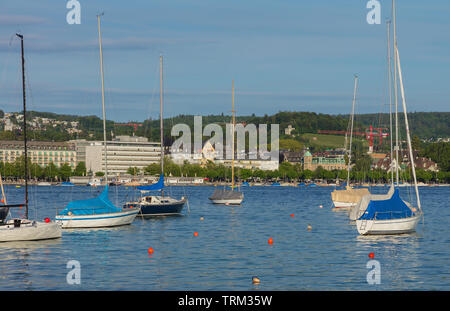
{"points": [[231, 246]]}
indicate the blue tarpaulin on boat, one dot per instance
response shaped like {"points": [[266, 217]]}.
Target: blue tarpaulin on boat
{"points": [[392, 208], [158, 186], [98, 205]]}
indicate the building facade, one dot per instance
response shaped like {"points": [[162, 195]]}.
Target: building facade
{"points": [[39, 152], [123, 152], [329, 161]]}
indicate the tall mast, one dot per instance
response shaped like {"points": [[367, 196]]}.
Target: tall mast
{"points": [[24, 126], [408, 136], [351, 131], [395, 97], [103, 101], [388, 23], [232, 144], [161, 114]]}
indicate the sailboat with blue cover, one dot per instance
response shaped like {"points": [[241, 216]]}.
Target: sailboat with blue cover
{"points": [[390, 214], [157, 205], [99, 211]]}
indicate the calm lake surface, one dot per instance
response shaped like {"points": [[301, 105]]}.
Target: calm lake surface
{"points": [[231, 246]]}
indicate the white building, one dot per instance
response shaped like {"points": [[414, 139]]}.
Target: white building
{"points": [[123, 152]]}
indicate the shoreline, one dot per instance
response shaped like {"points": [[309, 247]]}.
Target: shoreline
{"points": [[267, 184]]}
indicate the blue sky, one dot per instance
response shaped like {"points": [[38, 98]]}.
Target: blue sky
{"points": [[284, 55]]}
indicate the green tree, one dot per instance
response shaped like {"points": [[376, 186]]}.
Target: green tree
{"points": [[80, 169], [65, 171]]}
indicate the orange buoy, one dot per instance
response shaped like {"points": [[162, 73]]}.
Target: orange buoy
{"points": [[270, 241], [195, 233], [371, 255], [256, 280], [47, 220], [3, 201], [150, 250], [320, 206]]}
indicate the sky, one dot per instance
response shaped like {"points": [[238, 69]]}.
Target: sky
{"points": [[283, 55]]}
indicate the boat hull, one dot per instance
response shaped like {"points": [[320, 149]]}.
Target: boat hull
{"points": [[227, 201], [344, 205], [388, 226], [124, 217], [162, 209], [31, 231]]}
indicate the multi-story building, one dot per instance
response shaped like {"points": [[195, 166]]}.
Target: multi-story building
{"points": [[39, 152], [329, 160], [123, 152]]}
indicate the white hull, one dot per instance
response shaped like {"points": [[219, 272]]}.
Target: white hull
{"points": [[228, 201], [30, 231], [344, 205], [389, 226], [124, 217]]}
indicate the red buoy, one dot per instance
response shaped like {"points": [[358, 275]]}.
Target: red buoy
{"points": [[47, 220], [150, 250], [292, 215], [270, 241], [371, 255], [195, 233], [3, 201]]}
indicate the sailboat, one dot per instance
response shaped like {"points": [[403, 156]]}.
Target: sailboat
{"points": [[349, 197], [23, 229], [225, 196], [390, 214], [158, 205], [100, 211]]}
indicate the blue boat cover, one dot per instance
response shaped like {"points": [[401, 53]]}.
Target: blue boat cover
{"points": [[392, 208], [158, 186], [98, 205]]}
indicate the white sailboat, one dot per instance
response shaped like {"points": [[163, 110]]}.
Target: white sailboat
{"points": [[23, 229], [100, 211], [389, 214], [225, 196], [349, 197]]}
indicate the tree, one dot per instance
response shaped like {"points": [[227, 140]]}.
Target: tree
{"points": [[80, 169], [50, 171], [65, 171], [99, 174], [416, 143], [133, 170]]}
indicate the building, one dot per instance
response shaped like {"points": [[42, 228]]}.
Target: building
{"points": [[241, 159], [329, 160], [292, 157], [288, 130], [39, 152], [420, 163], [123, 152]]}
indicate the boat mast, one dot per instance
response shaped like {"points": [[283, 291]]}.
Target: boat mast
{"points": [[388, 23], [161, 115], [103, 101], [351, 132], [408, 136], [24, 126], [395, 97], [232, 143]]}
